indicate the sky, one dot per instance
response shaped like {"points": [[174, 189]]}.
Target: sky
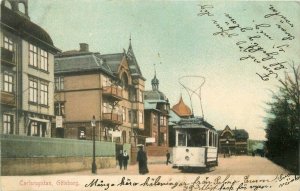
{"points": [[233, 45]]}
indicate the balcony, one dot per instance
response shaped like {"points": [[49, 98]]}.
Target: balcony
{"points": [[8, 99], [113, 92], [7, 56], [112, 118]]}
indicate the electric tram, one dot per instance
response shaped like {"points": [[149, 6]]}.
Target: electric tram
{"points": [[196, 141], [196, 144]]}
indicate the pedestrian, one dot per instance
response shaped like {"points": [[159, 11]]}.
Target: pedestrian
{"points": [[168, 158], [125, 159], [142, 160], [120, 159]]}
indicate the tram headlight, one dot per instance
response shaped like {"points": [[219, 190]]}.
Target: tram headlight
{"points": [[187, 150], [187, 158]]}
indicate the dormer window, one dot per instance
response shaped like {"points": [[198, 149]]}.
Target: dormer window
{"points": [[21, 7], [7, 4]]}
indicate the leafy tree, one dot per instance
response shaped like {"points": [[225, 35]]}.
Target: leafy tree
{"points": [[283, 126]]}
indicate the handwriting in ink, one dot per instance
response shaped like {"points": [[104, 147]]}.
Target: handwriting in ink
{"points": [[223, 32], [204, 10], [289, 35], [99, 183], [127, 182], [275, 12]]}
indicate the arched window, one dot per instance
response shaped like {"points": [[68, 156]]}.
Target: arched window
{"points": [[21, 7], [7, 4]]}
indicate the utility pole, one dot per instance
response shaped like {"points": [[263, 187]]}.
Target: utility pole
{"points": [[94, 167]]}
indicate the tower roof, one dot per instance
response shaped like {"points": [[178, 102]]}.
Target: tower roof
{"points": [[181, 109]]}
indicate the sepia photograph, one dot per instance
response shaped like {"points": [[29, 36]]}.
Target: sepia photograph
{"points": [[149, 95]]}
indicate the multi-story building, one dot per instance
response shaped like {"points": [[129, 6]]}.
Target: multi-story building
{"points": [[156, 119], [27, 73], [109, 87], [233, 141]]}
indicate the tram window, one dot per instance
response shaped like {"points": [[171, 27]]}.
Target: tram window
{"points": [[210, 138], [181, 140], [196, 138]]}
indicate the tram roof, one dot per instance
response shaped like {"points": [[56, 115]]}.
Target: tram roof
{"points": [[194, 122]]}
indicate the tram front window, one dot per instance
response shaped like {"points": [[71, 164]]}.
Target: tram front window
{"points": [[196, 138], [181, 140]]}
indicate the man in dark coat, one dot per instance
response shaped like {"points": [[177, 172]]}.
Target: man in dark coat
{"points": [[120, 159], [168, 158], [142, 159], [125, 159]]}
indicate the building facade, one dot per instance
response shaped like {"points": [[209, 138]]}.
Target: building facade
{"points": [[27, 73], [109, 87], [233, 141], [157, 109]]}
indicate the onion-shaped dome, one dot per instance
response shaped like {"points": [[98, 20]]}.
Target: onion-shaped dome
{"points": [[181, 109]]}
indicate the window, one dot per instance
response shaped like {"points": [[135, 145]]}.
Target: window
{"points": [[8, 83], [181, 140], [59, 108], [107, 108], [162, 121], [35, 131], [44, 60], [140, 96], [133, 116], [141, 118], [44, 94], [8, 43], [7, 4], [21, 7], [59, 83], [154, 119], [33, 90], [210, 138], [132, 94], [7, 124], [33, 55]]}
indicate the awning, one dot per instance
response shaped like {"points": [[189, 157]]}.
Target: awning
{"points": [[48, 123], [39, 119]]}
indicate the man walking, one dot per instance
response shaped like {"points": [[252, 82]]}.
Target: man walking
{"points": [[168, 158], [125, 159], [120, 159]]}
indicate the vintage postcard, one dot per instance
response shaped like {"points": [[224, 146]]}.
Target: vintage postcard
{"points": [[150, 95]]}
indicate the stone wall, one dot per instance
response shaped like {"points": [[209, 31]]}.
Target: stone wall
{"points": [[24, 155], [51, 165]]}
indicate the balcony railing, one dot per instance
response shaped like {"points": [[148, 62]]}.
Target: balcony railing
{"points": [[112, 91], [8, 98], [7, 56], [112, 118]]}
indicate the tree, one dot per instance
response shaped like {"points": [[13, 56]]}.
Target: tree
{"points": [[283, 126]]}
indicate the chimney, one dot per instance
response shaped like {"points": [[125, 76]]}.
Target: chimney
{"points": [[84, 47]]}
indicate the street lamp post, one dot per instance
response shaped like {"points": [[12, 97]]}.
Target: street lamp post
{"points": [[227, 142], [94, 167]]}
